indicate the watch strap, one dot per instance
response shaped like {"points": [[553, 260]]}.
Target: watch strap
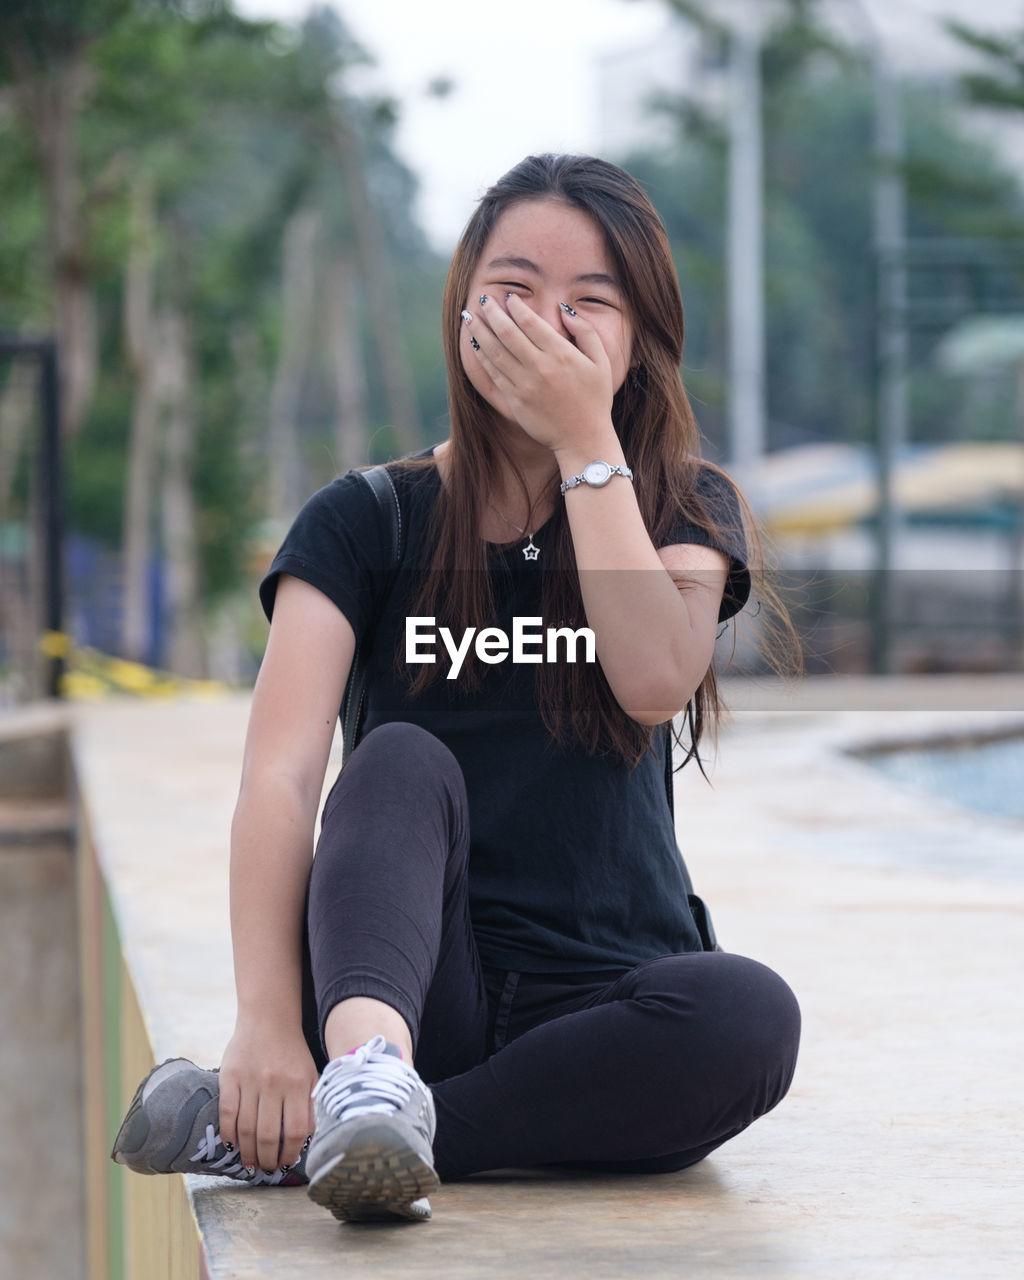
{"points": [[613, 470]]}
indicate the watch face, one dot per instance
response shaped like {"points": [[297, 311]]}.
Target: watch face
{"points": [[597, 473]]}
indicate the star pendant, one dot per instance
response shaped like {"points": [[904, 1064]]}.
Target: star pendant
{"points": [[531, 552]]}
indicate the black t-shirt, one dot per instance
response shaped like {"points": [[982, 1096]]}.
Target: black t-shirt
{"points": [[573, 860]]}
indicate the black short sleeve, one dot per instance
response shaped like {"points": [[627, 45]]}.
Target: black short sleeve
{"points": [[723, 509], [336, 544]]}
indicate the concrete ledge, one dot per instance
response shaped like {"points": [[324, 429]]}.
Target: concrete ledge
{"points": [[896, 917]]}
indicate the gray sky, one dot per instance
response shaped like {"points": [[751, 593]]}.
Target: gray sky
{"points": [[526, 79]]}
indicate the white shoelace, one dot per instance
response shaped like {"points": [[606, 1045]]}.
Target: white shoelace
{"points": [[230, 1163], [364, 1081]]}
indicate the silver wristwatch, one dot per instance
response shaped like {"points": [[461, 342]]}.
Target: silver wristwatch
{"points": [[595, 474]]}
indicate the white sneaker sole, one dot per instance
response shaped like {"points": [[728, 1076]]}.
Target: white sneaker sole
{"points": [[379, 1176]]}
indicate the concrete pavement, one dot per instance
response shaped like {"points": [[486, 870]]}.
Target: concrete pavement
{"points": [[897, 917]]}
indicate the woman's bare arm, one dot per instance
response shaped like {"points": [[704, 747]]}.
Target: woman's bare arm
{"points": [[654, 614], [267, 1072]]}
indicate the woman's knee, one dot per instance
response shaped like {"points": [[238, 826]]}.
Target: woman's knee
{"points": [[401, 758], [399, 745], [739, 1015], [770, 1032], [399, 768], [763, 1020]]}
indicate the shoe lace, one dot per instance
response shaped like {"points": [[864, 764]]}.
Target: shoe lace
{"points": [[365, 1081], [230, 1162]]}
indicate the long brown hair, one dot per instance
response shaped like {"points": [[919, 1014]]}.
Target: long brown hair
{"points": [[652, 417]]}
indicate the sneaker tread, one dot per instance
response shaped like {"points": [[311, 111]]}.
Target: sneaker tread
{"points": [[378, 1176]]}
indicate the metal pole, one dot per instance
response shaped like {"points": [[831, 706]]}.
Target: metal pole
{"points": [[892, 348], [746, 250], [53, 505], [891, 345]]}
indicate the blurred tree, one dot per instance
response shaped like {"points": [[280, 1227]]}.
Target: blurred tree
{"points": [[1001, 85], [45, 67], [819, 165], [199, 138]]}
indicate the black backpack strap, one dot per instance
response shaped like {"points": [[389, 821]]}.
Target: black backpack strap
{"points": [[353, 705]]}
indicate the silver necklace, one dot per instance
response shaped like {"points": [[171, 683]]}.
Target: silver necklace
{"points": [[530, 551]]}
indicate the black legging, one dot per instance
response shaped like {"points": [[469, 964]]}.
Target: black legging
{"points": [[646, 1070]]}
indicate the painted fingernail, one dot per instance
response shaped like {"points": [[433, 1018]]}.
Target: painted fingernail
{"points": [[467, 317], [567, 309], [285, 1168], [250, 1169], [508, 295], [229, 1146], [483, 299], [473, 343]]}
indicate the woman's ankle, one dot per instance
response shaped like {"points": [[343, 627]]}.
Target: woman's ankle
{"points": [[353, 1022]]}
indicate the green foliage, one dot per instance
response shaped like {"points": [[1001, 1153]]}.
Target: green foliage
{"points": [[1002, 87], [95, 465], [231, 123], [819, 175], [46, 32], [24, 292], [420, 286], [957, 187]]}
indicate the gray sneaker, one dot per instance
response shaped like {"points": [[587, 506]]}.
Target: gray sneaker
{"points": [[172, 1126], [371, 1151]]}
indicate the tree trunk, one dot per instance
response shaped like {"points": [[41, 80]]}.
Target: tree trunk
{"points": [[50, 103], [252, 391], [136, 540], [346, 364], [19, 594], [385, 317], [284, 480], [16, 411], [185, 654]]}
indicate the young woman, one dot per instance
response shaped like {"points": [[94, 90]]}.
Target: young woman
{"points": [[493, 960]]}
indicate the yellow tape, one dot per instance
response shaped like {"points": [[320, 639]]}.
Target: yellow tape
{"points": [[54, 644], [92, 675]]}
